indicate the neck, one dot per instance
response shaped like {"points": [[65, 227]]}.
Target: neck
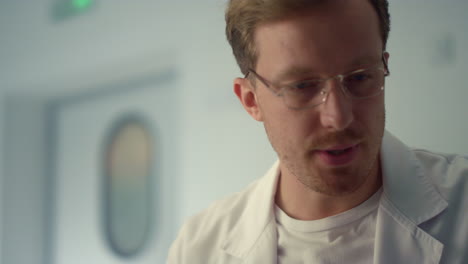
{"points": [[303, 203]]}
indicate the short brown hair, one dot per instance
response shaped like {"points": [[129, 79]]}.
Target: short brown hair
{"points": [[243, 16]]}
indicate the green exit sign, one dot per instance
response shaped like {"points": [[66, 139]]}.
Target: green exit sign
{"points": [[63, 9], [81, 4]]}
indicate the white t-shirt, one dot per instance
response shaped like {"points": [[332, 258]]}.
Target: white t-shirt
{"points": [[347, 237]]}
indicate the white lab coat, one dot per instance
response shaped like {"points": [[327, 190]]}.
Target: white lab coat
{"points": [[422, 216]]}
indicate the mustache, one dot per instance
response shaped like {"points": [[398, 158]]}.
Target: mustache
{"points": [[349, 136]]}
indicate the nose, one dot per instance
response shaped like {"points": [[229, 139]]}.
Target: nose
{"points": [[336, 113]]}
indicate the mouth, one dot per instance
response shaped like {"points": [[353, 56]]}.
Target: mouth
{"points": [[339, 155], [339, 151]]}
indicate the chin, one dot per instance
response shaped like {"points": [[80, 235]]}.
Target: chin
{"points": [[335, 181]]}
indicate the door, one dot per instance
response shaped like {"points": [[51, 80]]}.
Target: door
{"points": [[113, 168]]}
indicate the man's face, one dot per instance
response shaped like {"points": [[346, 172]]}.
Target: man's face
{"points": [[336, 37]]}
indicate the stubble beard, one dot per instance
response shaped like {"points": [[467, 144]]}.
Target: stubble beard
{"points": [[330, 181], [334, 182]]}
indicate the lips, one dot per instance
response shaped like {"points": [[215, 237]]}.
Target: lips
{"points": [[339, 150], [339, 155]]}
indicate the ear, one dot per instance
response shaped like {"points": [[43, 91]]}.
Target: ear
{"points": [[245, 92], [386, 57]]}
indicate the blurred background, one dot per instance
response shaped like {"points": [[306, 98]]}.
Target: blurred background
{"points": [[118, 120]]}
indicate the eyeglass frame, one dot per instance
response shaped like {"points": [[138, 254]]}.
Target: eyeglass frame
{"points": [[340, 77]]}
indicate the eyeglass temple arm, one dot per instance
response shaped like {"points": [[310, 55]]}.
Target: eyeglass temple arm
{"points": [[384, 62]]}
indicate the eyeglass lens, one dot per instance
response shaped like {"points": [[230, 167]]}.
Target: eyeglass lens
{"points": [[360, 84]]}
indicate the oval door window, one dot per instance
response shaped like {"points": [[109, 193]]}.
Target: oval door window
{"points": [[127, 183]]}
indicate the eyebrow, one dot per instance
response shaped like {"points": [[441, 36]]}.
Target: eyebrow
{"points": [[295, 71]]}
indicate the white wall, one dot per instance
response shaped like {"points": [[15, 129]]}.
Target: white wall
{"points": [[2, 171], [42, 58], [223, 149], [427, 90], [23, 184]]}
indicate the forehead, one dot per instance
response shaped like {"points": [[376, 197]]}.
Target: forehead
{"points": [[333, 36]]}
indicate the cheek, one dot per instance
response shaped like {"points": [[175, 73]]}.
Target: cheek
{"points": [[372, 119], [284, 127], [370, 112], [288, 134]]}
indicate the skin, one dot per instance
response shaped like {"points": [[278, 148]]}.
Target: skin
{"points": [[333, 38]]}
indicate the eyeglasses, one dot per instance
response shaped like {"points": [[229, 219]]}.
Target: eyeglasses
{"points": [[358, 84]]}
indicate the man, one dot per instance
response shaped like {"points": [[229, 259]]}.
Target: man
{"points": [[344, 190]]}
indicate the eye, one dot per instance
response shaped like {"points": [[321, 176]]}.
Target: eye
{"points": [[359, 77], [306, 85]]}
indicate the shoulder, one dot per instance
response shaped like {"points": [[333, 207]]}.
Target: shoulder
{"points": [[204, 233], [205, 236], [447, 172]]}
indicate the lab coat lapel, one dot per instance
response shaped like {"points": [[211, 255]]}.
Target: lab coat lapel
{"points": [[408, 199], [254, 238], [398, 240], [265, 250]]}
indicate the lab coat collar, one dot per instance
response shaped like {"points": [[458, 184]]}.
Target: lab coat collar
{"points": [[406, 184], [408, 199], [254, 238]]}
